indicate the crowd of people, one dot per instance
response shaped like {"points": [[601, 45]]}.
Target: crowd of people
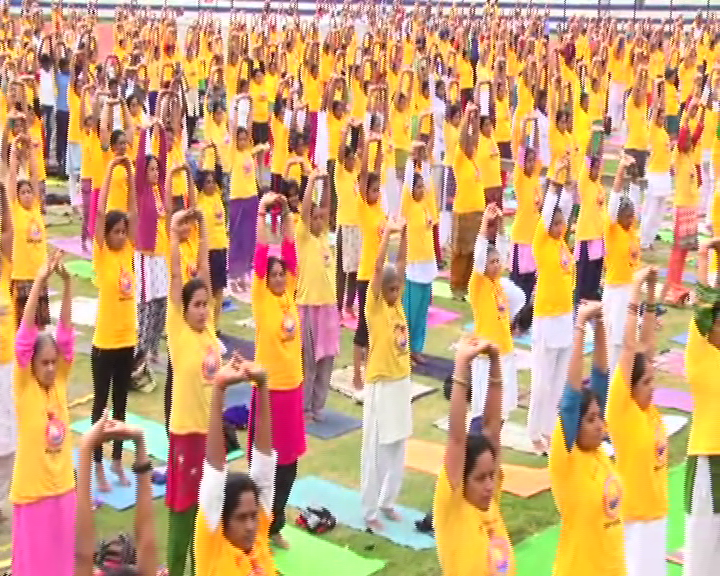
{"points": [[328, 170]]}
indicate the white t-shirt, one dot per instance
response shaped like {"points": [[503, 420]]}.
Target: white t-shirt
{"points": [[46, 89]]}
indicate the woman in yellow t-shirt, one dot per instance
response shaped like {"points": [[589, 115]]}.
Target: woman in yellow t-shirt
{"points": [[487, 159], [317, 309], [589, 249], [242, 210], [585, 485], [206, 197], [221, 544], [194, 356], [278, 347], [43, 486], [468, 488], [115, 336], [552, 315], [639, 437], [702, 357], [387, 410]]}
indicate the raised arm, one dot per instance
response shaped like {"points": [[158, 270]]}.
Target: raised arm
{"points": [[703, 264], [394, 225], [203, 260], [180, 218]]}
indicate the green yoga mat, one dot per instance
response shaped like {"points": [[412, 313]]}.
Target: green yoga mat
{"points": [[535, 555], [80, 268], [156, 439], [308, 552]]}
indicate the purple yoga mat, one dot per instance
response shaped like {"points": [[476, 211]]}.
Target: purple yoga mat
{"points": [[672, 398], [71, 245]]}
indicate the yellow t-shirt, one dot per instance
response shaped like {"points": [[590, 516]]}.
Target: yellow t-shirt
{"points": [[638, 137], [115, 326], [313, 92], [470, 195], [528, 194], [622, 254], [42, 468], [280, 134], [117, 198], [243, 183], [701, 364], [371, 220], [218, 135], [591, 219], [419, 220], [659, 160], [491, 311], [487, 157], [687, 192], [672, 102], [589, 496], [452, 133], [335, 128], [400, 125], [470, 541], [260, 99], [388, 352], [213, 209], [195, 359], [176, 156], [316, 267], [560, 144], [278, 335], [641, 452], [29, 246], [74, 117], [347, 195], [503, 120], [555, 274], [7, 324]]}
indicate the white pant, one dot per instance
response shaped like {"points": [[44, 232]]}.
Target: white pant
{"points": [[547, 382], [615, 300], [616, 104], [708, 185], [651, 219], [6, 470], [702, 527], [382, 467], [645, 552]]}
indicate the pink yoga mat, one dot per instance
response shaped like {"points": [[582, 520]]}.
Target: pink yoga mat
{"points": [[436, 316], [672, 398], [672, 361], [71, 245]]}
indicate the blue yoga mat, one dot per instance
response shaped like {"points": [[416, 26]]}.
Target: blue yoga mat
{"points": [[435, 367], [687, 277], [119, 497], [345, 506], [232, 343], [238, 395], [681, 339], [332, 425]]}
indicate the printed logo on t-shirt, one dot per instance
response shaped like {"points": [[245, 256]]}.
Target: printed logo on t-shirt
{"points": [[401, 337], [565, 258], [219, 216], [55, 431], [248, 168], [287, 328], [191, 271], [661, 446], [612, 497], [211, 363], [34, 234], [125, 284], [381, 230], [327, 258], [498, 556]]}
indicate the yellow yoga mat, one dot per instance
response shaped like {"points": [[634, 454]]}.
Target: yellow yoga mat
{"points": [[520, 481]]}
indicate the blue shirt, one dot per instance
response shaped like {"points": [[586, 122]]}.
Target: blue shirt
{"points": [[62, 81]]}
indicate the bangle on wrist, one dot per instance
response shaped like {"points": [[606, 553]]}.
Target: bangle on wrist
{"points": [[142, 467]]}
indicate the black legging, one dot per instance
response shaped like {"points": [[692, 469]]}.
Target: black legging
{"points": [[340, 278], [111, 367], [168, 394]]}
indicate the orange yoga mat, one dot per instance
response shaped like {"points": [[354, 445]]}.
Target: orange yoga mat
{"points": [[521, 481]]}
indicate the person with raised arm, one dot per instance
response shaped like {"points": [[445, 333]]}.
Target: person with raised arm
{"points": [[387, 409], [639, 437], [469, 485], [278, 346], [702, 358], [584, 481], [135, 556], [194, 358], [236, 509], [43, 485]]}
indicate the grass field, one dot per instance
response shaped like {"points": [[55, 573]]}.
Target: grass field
{"points": [[338, 459]]}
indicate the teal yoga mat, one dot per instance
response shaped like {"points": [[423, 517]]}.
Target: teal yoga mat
{"points": [[345, 505], [308, 552], [535, 555], [156, 439]]}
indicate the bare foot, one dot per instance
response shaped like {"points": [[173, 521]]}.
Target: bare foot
{"points": [[374, 525], [279, 541], [101, 482], [539, 446], [391, 514], [546, 440], [117, 469]]}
